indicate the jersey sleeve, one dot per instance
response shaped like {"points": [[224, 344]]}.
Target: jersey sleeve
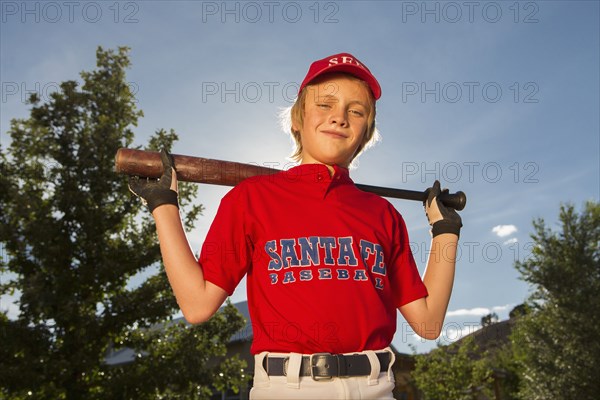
{"points": [[225, 255], [406, 281]]}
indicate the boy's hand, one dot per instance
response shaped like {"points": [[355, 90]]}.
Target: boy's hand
{"points": [[156, 192], [441, 218]]}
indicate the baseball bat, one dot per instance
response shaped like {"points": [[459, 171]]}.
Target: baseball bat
{"points": [[228, 173]]}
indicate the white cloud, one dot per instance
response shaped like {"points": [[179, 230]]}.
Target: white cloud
{"points": [[510, 241], [473, 312], [502, 309], [479, 311], [504, 230]]}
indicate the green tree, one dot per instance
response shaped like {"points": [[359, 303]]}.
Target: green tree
{"points": [[453, 372], [489, 319], [506, 371], [74, 239], [557, 340]]}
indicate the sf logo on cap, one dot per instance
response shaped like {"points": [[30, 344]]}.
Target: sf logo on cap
{"points": [[345, 60]]}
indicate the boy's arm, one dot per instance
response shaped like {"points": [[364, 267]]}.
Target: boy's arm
{"points": [[197, 298], [426, 315]]}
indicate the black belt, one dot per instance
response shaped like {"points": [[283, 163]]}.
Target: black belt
{"points": [[321, 366]]}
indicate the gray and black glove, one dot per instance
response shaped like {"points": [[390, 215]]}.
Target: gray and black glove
{"points": [[156, 192], [441, 218]]}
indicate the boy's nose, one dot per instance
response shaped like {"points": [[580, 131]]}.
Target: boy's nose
{"points": [[338, 117]]}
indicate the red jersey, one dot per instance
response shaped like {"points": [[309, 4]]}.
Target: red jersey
{"points": [[327, 264]]}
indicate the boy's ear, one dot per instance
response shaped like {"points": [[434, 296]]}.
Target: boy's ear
{"points": [[295, 124]]}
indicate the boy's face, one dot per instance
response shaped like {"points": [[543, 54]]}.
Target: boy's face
{"points": [[336, 114]]}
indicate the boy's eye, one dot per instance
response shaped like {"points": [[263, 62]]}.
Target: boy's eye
{"points": [[323, 105], [358, 113]]}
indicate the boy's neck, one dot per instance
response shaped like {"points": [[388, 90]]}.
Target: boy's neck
{"points": [[330, 168]]}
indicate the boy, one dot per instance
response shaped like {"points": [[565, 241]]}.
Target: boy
{"points": [[327, 265]]}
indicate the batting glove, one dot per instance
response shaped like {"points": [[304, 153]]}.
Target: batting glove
{"points": [[156, 192], [441, 218]]}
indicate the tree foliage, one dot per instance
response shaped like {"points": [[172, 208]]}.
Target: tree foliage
{"points": [[554, 346], [557, 341], [465, 370], [452, 372], [489, 319], [75, 239]]}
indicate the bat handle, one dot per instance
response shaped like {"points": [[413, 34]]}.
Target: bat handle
{"points": [[457, 200]]}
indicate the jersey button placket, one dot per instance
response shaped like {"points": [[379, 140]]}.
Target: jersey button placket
{"points": [[333, 191], [323, 181]]}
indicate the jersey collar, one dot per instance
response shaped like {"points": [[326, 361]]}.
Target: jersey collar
{"points": [[318, 175]]}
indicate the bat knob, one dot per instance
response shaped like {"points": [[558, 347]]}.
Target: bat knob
{"points": [[457, 200]]}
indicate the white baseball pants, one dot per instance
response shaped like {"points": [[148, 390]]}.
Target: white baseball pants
{"points": [[378, 385]]}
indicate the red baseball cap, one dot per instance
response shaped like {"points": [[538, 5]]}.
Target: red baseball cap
{"points": [[343, 62]]}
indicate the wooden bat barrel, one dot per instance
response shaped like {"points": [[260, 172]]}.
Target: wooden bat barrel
{"points": [[189, 169], [228, 173]]}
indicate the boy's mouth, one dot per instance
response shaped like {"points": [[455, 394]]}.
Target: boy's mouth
{"points": [[334, 134]]}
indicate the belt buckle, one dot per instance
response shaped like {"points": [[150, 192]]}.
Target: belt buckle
{"points": [[313, 366]]}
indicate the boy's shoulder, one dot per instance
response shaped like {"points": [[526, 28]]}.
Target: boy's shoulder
{"points": [[256, 182], [377, 202]]}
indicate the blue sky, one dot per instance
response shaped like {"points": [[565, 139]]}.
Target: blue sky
{"points": [[497, 99]]}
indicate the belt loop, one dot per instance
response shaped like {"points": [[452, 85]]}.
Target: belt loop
{"points": [[292, 370], [390, 371], [260, 374], [373, 378]]}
